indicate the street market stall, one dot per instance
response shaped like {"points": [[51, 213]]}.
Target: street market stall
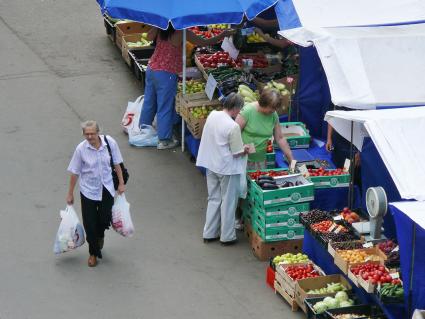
{"points": [[289, 209]]}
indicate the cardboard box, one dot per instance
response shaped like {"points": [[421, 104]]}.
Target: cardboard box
{"points": [[344, 265], [126, 28], [264, 251], [304, 285], [125, 48]]}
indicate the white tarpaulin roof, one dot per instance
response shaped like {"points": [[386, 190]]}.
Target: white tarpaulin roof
{"points": [[415, 210], [398, 135], [338, 13], [368, 67]]}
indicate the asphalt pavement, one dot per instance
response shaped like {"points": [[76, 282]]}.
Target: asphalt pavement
{"points": [[58, 68]]}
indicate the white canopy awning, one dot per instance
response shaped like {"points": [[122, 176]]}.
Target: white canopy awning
{"points": [[339, 13], [369, 67], [415, 211], [398, 135]]}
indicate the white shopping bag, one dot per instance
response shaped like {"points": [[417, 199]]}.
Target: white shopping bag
{"points": [[70, 234], [121, 219], [145, 136], [130, 120]]}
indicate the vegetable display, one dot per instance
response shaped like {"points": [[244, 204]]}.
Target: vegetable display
{"points": [[341, 300], [248, 94], [393, 290], [326, 172], [330, 288], [302, 272], [272, 173], [281, 88], [143, 42], [374, 273]]}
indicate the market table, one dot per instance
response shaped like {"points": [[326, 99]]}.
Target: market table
{"points": [[411, 238], [320, 256]]}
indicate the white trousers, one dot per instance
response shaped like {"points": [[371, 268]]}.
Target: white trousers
{"points": [[223, 194]]}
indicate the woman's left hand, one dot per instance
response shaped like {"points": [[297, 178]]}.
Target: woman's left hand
{"points": [[121, 189]]}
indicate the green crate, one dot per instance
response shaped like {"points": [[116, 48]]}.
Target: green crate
{"points": [[287, 220], [330, 181], [250, 181], [290, 209], [270, 160], [278, 233], [281, 196], [301, 141]]}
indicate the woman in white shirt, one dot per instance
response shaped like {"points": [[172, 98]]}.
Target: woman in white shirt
{"points": [[222, 153]]}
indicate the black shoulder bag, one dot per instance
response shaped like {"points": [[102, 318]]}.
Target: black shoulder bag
{"points": [[125, 174]]}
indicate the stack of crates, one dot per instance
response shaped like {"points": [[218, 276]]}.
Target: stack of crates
{"points": [[274, 214]]}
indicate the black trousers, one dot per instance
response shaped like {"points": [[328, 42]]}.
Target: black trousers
{"points": [[97, 216]]}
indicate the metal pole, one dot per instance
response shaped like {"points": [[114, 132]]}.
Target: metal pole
{"points": [[412, 267], [184, 82], [350, 190]]}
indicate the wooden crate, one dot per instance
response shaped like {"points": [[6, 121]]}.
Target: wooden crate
{"points": [[127, 28], [200, 67], [195, 126], [279, 290], [125, 49]]}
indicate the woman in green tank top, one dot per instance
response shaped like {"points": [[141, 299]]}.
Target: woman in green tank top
{"points": [[259, 122]]}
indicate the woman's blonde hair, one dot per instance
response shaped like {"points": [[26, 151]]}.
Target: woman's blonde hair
{"points": [[270, 98]]}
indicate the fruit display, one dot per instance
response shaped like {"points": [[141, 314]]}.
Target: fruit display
{"points": [[281, 88], [248, 94], [326, 172], [201, 112], [221, 26], [357, 256], [374, 273], [387, 246], [314, 216], [393, 259], [289, 258], [391, 290], [327, 226], [254, 38], [258, 61], [269, 147], [350, 216], [272, 173], [143, 42], [206, 34], [301, 272], [192, 86], [339, 237], [217, 59], [348, 245], [341, 300], [330, 288]]}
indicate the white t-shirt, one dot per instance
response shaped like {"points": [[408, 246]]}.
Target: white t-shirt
{"points": [[221, 139]]}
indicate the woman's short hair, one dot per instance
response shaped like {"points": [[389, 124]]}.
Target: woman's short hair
{"points": [[270, 98], [233, 101], [90, 123]]}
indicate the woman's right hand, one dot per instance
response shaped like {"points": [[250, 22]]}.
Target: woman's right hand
{"points": [[70, 199]]}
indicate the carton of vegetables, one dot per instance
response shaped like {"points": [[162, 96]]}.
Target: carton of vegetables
{"points": [[322, 286], [345, 258]]}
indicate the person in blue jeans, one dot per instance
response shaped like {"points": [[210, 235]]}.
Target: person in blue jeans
{"points": [[161, 80]]}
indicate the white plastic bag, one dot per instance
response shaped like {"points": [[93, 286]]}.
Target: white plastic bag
{"points": [[146, 136], [70, 234], [130, 120], [121, 219]]}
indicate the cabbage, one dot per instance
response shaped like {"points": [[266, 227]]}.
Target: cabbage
{"points": [[351, 301], [331, 303], [341, 296], [320, 307], [344, 304]]}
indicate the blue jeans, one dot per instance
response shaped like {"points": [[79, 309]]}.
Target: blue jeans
{"points": [[160, 93]]}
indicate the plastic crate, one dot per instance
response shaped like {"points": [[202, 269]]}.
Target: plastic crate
{"points": [[288, 195], [369, 312], [276, 221], [330, 181], [278, 233], [310, 302], [296, 135]]}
